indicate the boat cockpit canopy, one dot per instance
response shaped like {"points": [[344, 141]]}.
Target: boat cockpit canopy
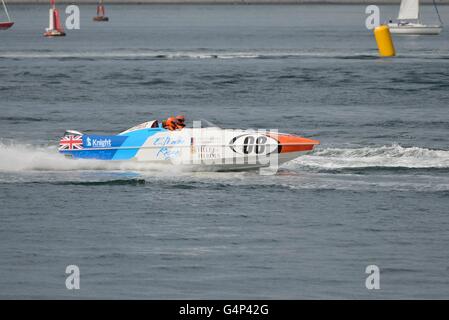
{"points": [[155, 124], [202, 123], [145, 125]]}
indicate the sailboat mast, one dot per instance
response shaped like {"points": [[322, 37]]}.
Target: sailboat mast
{"points": [[6, 10], [419, 13]]}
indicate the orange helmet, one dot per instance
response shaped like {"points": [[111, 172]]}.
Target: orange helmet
{"points": [[170, 123]]}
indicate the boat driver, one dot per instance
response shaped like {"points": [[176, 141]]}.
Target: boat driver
{"points": [[170, 124], [174, 123], [180, 122]]}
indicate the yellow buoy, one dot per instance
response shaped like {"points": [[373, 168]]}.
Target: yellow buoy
{"points": [[384, 41]]}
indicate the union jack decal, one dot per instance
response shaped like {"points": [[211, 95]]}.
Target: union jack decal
{"points": [[71, 142]]}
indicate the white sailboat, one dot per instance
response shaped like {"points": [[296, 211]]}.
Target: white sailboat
{"points": [[409, 21]]}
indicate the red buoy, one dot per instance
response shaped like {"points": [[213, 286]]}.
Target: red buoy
{"points": [[100, 13], [54, 25]]}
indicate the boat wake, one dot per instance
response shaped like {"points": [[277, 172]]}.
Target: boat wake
{"points": [[16, 157], [23, 157], [172, 55], [384, 157], [147, 54], [353, 169]]}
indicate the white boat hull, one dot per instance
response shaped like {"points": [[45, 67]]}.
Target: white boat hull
{"points": [[414, 29], [223, 167]]}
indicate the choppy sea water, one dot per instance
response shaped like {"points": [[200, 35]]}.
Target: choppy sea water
{"points": [[374, 192]]}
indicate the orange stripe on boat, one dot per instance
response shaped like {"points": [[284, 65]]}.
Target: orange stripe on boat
{"points": [[292, 143]]}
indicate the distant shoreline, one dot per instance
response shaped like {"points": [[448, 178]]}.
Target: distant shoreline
{"points": [[236, 2]]}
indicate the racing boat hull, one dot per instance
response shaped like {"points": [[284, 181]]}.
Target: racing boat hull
{"points": [[211, 149]]}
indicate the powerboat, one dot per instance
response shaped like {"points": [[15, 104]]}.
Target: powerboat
{"points": [[409, 21], [201, 146]]}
